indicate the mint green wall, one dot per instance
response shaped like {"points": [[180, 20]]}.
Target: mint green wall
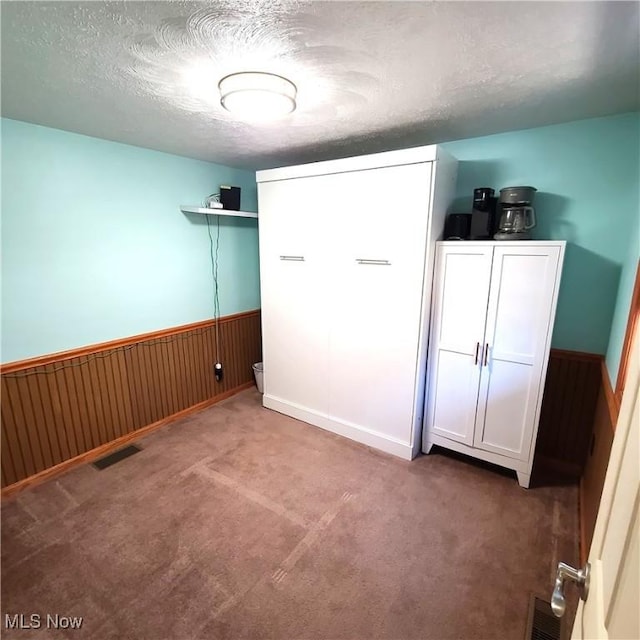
{"points": [[95, 247], [586, 173], [621, 315]]}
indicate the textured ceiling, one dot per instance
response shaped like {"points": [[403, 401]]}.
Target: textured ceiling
{"points": [[371, 76]]}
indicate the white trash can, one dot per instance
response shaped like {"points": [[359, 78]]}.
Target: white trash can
{"points": [[258, 373]]}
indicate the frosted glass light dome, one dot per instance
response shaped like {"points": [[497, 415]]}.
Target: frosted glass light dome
{"points": [[255, 95]]}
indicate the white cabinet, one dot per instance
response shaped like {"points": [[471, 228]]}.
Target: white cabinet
{"points": [[346, 259], [491, 324]]}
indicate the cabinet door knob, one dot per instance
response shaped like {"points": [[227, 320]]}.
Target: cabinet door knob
{"points": [[369, 261], [294, 258], [477, 349], [486, 353]]}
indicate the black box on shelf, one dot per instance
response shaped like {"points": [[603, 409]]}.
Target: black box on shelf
{"points": [[230, 197], [457, 226]]}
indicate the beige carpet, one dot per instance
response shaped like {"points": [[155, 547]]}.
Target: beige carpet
{"points": [[238, 522]]}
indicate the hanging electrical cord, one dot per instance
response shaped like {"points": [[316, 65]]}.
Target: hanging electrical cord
{"points": [[213, 253], [216, 306]]}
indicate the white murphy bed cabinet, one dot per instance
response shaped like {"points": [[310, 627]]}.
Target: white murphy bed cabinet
{"points": [[491, 323], [346, 265]]}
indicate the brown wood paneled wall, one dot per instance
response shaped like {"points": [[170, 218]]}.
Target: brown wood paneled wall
{"points": [[592, 482], [58, 407], [568, 407]]}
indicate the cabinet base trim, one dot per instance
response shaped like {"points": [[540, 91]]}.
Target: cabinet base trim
{"points": [[373, 439], [520, 466]]}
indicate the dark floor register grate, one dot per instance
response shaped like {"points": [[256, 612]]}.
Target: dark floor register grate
{"points": [[542, 624], [116, 456]]}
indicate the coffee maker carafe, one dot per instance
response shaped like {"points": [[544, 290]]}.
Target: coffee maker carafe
{"points": [[517, 216]]}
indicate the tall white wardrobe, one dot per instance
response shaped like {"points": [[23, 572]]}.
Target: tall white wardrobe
{"points": [[346, 266], [492, 318]]}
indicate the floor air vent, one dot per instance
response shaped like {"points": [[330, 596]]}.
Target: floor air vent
{"points": [[116, 456], [542, 624]]}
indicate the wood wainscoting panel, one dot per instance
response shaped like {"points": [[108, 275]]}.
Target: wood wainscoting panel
{"points": [[59, 407], [592, 481], [568, 407]]}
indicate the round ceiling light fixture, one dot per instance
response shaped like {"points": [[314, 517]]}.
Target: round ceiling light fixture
{"points": [[256, 95]]}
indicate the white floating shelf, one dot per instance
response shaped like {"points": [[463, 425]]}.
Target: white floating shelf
{"points": [[217, 212]]}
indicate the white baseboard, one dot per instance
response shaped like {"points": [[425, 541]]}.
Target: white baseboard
{"points": [[373, 439]]}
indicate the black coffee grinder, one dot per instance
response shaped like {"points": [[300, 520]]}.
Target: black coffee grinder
{"points": [[484, 220]]}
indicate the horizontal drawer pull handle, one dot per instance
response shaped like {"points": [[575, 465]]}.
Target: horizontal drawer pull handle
{"points": [[294, 258], [367, 261]]}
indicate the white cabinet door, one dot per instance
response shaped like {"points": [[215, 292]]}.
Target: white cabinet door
{"points": [[517, 339], [378, 246], [294, 278], [461, 289]]}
